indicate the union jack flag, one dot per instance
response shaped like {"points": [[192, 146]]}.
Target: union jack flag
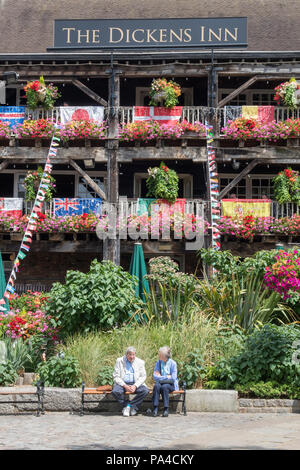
{"points": [[66, 206]]}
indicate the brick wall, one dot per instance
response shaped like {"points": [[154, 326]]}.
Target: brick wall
{"points": [[28, 26]]}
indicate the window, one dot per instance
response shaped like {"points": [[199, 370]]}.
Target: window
{"points": [[6, 185], [249, 97], [20, 186], [261, 186], [239, 190], [85, 191]]}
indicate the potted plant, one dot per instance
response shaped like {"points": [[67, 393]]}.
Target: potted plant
{"points": [[164, 93], [288, 93], [32, 183], [287, 186], [40, 94], [162, 183]]}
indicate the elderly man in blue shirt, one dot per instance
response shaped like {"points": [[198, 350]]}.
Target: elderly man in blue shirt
{"points": [[130, 376]]}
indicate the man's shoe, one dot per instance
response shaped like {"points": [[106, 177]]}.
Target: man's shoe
{"points": [[126, 411], [165, 414], [155, 413], [133, 411]]}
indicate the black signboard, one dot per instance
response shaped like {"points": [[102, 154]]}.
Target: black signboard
{"points": [[150, 33]]}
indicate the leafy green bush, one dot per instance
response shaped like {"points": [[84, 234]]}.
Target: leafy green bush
{"points": [[162, 183], [16, 352], [243, 302], [268, 390], [105, 376], [8, 374], [60, 372], [102, 298], [192, 368], [267, 356]]}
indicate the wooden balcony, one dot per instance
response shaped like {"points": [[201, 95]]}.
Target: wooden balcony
{"points": [[191, 114]]}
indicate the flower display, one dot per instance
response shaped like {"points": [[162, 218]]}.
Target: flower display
{"points": [[284, 276], [26, 324], [287, 186], [164, 93], [40, 128], [83, 130], [32, 183], [286, 93], [40, 94], [150, 130], [48, 224], [243, 129], [5, 131], [247, 227]]}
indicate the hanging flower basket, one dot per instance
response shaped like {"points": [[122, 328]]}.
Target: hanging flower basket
{"points": [[164, 93], [40, 94], [288, 93], [162, 183], [287, 186], [32, 183]]}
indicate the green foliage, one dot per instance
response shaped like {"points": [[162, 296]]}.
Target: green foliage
{"points": [[15, 352], [105, 376], [287, 186], [32, 182], [97, 350], [244, 302], [268, 390], [192, 368], [102, 298], [60, 372], [267, 355], [162, 183], [228, 265], [8, 374]]}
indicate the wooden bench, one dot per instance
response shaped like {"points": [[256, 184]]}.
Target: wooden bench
{"points": [[178, 396], [40, 391]]}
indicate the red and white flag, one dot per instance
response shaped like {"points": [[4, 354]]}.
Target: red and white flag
{"points": [[81, 113], [156, 113], [11, 206]]}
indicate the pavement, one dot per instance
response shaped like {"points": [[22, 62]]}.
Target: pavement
{"points": [[111, 431]]}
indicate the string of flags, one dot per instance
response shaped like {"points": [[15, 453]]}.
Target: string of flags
{"points": [[31, 225], [213, 186]]}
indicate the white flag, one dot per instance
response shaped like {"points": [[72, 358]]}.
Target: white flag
{"points": [[81, 113]]}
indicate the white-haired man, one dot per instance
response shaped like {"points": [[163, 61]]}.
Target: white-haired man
{"points": [[130, 376]]}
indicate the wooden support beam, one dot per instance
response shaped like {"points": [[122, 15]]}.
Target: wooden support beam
{"points": [[89, 92], [3, 165], [88, 179], [238, 178], [237, 91]]}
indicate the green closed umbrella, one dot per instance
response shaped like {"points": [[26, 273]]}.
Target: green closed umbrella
{"points": [[138, 269], [2, 282]]}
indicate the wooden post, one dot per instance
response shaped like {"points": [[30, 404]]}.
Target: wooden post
{"points": [[111, 247]]}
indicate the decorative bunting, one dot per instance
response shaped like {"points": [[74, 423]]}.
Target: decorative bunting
{"points": [[32, 222], [213, 187]]}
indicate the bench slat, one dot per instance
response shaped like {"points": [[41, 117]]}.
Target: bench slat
{"points": [[94, 391]]}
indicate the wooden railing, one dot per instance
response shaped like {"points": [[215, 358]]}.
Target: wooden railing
{"points": [[198, 207], [191, 114]]}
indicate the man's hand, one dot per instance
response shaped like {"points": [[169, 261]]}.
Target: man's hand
{"points": [[130, 388]]}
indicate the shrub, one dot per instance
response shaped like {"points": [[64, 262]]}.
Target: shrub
{"points": [[192, 368], [8, 374], [102, 298], [105, 376], [60, 372], [15, 352], [267, 355]]}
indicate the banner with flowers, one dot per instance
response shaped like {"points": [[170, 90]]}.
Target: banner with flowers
{"points": [[243, 207], [32, 223]]}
